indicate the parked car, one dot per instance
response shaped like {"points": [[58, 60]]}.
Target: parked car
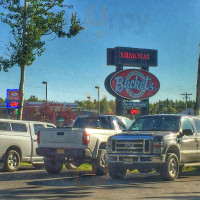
{"points": [[18, 142], [84, 142]]}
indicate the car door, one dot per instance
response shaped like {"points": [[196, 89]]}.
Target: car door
{"points": [[34, 129], [188, 143], [197, 127]]}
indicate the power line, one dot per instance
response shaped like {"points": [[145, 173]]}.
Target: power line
{"points": [[187, 96]]}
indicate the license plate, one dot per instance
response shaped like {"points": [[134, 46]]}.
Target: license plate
{"points": [[61, 151], [128, 160]]}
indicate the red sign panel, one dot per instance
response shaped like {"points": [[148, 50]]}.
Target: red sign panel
{"points": [[13, 95], [134, 84], [133, 111], [14, 104]]}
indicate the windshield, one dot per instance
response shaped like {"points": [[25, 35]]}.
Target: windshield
{"points": [[156, 123]]}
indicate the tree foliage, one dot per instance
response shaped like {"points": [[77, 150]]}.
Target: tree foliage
{"points": [[29, 25], [34, 98], [49, 114], [169, 106]]}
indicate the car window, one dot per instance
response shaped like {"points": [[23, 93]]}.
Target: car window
{"points": [[93, 122], [186, 124], [121, 125], [37, 127], [50, 126], [128, 122], [5, 126], [197, 125], [19, 127]]}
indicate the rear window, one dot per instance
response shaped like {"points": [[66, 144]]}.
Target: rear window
{"points": [[4, 126], [91, 122], [37, 127], [19, 127]]}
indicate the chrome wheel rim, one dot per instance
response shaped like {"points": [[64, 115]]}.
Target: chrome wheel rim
{"points": [[13, 161], [173, 168]]}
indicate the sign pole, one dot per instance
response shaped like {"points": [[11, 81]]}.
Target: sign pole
{"points": [[145, 110], [119, 101]]}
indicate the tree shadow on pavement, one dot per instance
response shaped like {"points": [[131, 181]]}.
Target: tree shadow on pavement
{"points": [[81, 184]]}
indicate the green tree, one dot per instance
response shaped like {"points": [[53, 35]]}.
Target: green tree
{"points": [[104, 106], [29, 24], [2, 100], [33, 98]]}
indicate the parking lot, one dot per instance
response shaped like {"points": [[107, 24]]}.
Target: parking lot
{"points": [[28, 183]]}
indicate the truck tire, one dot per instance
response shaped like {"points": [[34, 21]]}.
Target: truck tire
{"points": [[98, 166], [117, 171], [12, 161], [170, 169], [53, 166]]}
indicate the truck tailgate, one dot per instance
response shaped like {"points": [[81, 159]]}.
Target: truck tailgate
{"points": [[61, 138]]}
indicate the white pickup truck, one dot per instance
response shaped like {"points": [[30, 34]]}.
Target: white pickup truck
{"points": [[18, 142], [84, 142]]}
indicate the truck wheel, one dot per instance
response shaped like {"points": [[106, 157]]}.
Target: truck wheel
{"points": [[117, 171], [98, 166], [12, 161], [53, 166], [38, 166], [170, 169]]}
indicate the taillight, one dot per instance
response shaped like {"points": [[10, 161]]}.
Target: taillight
{"points": [[38, 137], [85, 138]]}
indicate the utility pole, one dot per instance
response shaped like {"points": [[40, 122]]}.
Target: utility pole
{"points": [[197, 103], [187, 95]]}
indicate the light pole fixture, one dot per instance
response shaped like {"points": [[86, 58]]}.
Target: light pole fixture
{"points": [[45, 82], [89, 103], [97, 87]]}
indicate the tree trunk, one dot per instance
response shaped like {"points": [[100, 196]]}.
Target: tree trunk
{"points": [[21, 93], [22, 80]]}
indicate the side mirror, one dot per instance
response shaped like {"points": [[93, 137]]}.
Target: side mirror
{"points": [[187, 132]]}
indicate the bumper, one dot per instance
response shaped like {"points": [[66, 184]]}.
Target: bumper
{"points": [[134, 159], [63, 153]]}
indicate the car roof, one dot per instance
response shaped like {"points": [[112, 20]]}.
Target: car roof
{"points": [[14, 120], [175, 115]]}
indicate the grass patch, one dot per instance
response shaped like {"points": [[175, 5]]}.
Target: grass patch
{"points": [[25, 164], [85, 167]]}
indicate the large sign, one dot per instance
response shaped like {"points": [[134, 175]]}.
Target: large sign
{"points": [[13, 98], [125, 56], [132, 84]]}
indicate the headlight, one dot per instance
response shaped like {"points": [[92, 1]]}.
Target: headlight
{"points": [[157, 146]]}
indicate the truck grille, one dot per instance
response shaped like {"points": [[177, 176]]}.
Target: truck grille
{"points": [[131, 146]]}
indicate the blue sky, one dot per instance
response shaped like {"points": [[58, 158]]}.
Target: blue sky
{"points": [[73, 67]]}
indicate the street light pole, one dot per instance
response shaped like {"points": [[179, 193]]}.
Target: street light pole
{"points": [[89, 103], [97, 87], [45, 82]]}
